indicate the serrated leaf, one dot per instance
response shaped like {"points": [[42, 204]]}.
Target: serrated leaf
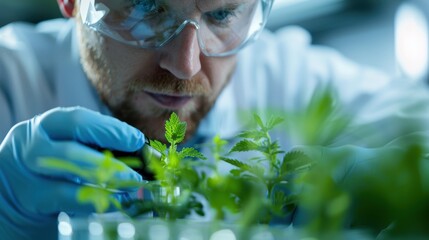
{"points": [[159, 146], [293, 161], [175, 129], [259, 121], [256, 135], [245, 146], [273, 121], [191, 153], [236, 163], [256, 170]]}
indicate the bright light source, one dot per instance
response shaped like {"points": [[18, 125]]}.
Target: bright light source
{"points": [[95, 229], [411, 36], [65, 229], [126, 230], [223, 234]]}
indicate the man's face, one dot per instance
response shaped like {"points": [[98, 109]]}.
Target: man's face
{"points": [[143, 86]]}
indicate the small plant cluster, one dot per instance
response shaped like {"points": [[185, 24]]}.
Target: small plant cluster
{"points": [[173, 192], [255, 189]]}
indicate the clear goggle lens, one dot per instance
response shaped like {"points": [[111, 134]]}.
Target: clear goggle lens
{"points": [[223, 26]]}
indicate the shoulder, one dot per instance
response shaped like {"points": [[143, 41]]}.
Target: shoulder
{"points": [[21, 42], [27, 53], [18, 34]]}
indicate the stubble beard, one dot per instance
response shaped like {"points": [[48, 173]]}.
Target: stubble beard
{"points": [[122, 99]]}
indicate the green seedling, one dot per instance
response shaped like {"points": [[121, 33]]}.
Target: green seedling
{"points": [[175, 174]]}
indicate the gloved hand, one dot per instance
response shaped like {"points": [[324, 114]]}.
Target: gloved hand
{"points": [[31, 196]]}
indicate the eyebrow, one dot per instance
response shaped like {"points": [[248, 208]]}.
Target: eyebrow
{"points": [[210, 5]]}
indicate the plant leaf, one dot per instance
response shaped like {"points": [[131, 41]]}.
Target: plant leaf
{"points": [[256, 170], [159, 146], [191, 152], [244, 146], [259, 121], [175, 129], [273, 121], [236, 163], [293, 161], [256, 135], [98, 197]]}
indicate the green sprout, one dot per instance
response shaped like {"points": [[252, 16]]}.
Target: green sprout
{"points": [[175, 174]]}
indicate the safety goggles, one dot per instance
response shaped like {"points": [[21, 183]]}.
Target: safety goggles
{"points": [[223, 26]]}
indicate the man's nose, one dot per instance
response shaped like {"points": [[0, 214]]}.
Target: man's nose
{"points": [[181, 56]]}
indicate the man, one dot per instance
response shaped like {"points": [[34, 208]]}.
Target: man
{"points": [[133, 63]]}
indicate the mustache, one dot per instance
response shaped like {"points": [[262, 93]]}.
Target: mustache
{"points": [[163, 82]]}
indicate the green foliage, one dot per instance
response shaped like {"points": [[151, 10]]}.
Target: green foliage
{"points": [[294, 161], [177, 180], [322, 199], [175, 129], [100, 198], [274, 178], [336, 187], [245, 145]]}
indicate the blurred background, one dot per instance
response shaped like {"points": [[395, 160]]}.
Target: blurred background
{"points": [[391, 35]]}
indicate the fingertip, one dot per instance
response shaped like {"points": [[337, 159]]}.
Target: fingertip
{"points": [[135, 176], [128, 175], [140, 139]]}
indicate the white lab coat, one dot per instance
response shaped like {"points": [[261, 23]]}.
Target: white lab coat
{"points": [[40, 69]]}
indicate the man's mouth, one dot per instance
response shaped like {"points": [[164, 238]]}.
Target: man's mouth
{"points": [[170, 101]]}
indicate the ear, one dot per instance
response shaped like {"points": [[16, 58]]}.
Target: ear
{"points": [[66, 7]]}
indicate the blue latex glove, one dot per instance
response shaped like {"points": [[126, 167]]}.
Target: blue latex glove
{"points": [[31, 196]]}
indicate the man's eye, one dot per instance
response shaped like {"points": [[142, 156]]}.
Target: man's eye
{"points": [[222, 16]]}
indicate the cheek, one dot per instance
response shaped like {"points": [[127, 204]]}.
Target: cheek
{"points": [[123, 65], [219, 71], [126, 61]]}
